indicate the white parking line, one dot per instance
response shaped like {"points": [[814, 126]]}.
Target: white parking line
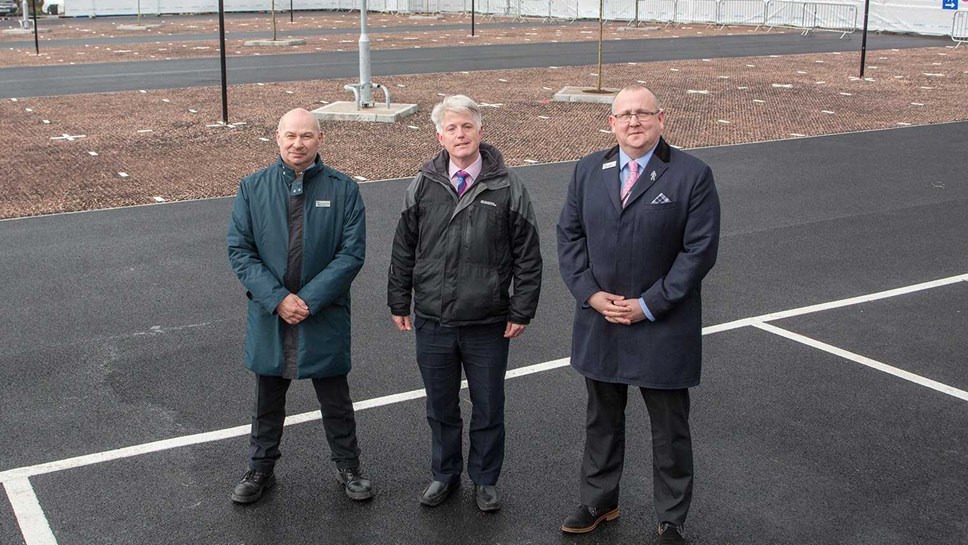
{"points": [[863, 360], [33, 523], [835, 304], [36, 530]]}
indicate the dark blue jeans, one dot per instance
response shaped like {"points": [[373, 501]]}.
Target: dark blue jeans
{"points": [[482, 352]]}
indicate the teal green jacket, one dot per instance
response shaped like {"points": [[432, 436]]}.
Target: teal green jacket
{"points": [[334, 245]]}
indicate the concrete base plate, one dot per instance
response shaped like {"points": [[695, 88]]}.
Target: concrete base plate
{"points": [[288, 42], [20, 31], [586, 94], [426, 18], [137, 27], [346, 111]]}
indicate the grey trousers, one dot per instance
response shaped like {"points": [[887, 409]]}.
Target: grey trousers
{"points": [[672, 465]]}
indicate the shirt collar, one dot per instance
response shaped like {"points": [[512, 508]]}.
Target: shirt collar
{"points": [[473, 171], [623, 158]]}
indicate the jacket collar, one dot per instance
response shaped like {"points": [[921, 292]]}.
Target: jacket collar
{"points": [[662, 150], [309, 173], [650, 174]]}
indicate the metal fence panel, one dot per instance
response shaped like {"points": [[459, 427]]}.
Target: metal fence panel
{"points": [[742, 12], [416, 6], [656, 11], [534, 8], [564, 9], [959, 27], [454, 6], [697, 11], [830, 17], [493, 7], [784, 14]]}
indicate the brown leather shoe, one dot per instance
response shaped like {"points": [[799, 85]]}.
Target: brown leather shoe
{"points": [[586, 518]]}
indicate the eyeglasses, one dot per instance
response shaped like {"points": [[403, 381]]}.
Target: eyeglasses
{"points": [[639, 116]]}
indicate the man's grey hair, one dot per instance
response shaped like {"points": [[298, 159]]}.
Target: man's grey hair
{"points": [[637, 87], [458, 104]]}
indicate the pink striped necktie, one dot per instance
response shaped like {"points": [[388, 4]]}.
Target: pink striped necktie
{"points": [[462, 182], [630, 182]]}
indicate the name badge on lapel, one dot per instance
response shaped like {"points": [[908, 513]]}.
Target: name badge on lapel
{"points": [[322, 204], [608, 165]]}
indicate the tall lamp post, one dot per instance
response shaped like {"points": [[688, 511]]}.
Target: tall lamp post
{"points": [[33, 13], [221, 41], [363, 91], [863, 45]]}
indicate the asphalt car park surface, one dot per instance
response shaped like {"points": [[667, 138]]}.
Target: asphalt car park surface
{"points": [[125, 327], [162, 74]]}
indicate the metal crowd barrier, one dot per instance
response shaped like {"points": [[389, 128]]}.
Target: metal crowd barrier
{"points": [[742, 12], [495, 8], [781, 14], [959, 28], [698, 11], [656, 11], [807, 16], [828, 17]]}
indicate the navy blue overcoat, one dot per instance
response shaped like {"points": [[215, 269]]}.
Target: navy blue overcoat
{"points": [[659, 248]]}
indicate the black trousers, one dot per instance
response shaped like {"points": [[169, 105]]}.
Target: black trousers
{"points": [[672, 466], [269, 416], [482, 351]]}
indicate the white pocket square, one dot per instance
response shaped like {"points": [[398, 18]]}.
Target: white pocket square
{"points": [[661, 199]]}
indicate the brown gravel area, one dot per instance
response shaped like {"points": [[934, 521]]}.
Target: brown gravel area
{"points": [[161, 142], [171, 45]]}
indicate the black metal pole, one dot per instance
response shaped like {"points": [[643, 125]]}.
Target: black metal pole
{"points": [[221, 39], [863, 43], [290, 11], [472, 17], [33, 12]]}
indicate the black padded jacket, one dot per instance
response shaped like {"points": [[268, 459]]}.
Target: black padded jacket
{"points": [[468, 260]]}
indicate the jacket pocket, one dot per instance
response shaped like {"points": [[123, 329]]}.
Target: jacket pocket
{"points": [[485, 238]]}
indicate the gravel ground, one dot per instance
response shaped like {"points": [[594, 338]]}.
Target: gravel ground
{"points": [[171, 43], [157, 146]]}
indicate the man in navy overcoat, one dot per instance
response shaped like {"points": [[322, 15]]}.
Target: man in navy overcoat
{"points": [[638, 232]]}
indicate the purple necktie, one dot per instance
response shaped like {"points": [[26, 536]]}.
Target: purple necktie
{"points": [[630, 182], [461, 182]]}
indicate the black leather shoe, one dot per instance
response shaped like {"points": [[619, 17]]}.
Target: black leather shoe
{"points": [[585, 519], [356, 485], [670, 534], [487, 497], [252, 485], [436, 493]]}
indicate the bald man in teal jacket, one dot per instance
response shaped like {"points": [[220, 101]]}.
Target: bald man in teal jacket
{"points": [[296, 240]]}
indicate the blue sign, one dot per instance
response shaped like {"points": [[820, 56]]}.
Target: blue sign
{"points": [[949, 4]]}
